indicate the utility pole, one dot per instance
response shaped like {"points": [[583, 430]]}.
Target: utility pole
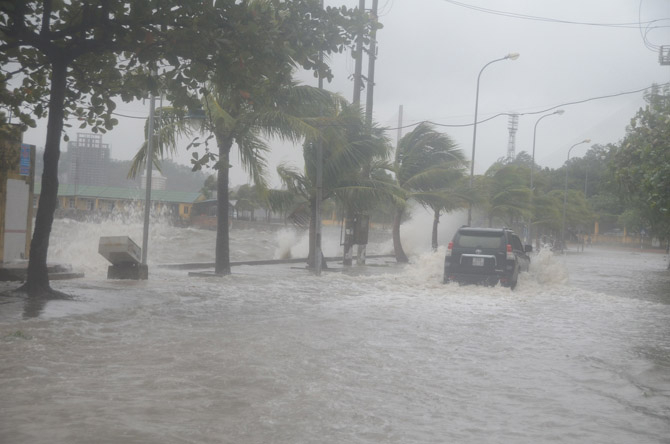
{"points": [[358, 67], [372, 56], [147, 196], [319, 191], [371, 64], [399, 135], [349, 221]]}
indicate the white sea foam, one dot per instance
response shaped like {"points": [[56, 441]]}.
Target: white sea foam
{"points": [[285, 240]]}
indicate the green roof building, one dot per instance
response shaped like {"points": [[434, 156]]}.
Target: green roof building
{"points": [[81, 200]]}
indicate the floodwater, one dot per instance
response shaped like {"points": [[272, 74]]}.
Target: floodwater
{"points": [[579, 353]]}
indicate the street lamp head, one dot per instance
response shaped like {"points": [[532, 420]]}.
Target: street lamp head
{"points": [[559, 112], [512, 55], [586, 141]]}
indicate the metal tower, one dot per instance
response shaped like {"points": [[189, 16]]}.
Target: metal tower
{"points": [[511, 145], [664, 55]]}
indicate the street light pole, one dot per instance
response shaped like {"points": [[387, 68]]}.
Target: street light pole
{"points": [[510, 56], [532, 166], [147, 196], [565, 192]]}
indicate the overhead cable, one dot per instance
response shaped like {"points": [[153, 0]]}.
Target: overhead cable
{"points": [[576, 102], [633, 25]]}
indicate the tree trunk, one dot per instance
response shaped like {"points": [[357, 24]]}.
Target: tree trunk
{"points": [[311, 257], [222, 258], [436, 221], [400, 255], [348, 248], [37, 282]]}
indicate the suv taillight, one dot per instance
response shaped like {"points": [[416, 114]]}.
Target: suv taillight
{"points": [[510, 254], [449, 248]]}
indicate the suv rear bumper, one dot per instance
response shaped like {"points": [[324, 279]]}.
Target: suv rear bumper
{"points": [[478, 278], [470, 275]]}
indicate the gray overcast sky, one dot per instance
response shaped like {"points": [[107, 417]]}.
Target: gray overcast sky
{"points": [[431, 51]]}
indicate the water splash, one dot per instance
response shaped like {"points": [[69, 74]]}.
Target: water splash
{"points": [[548, 269], [416, 233], [285, 239]]}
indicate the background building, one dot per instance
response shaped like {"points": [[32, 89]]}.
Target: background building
{"points": [[158, 181], [88, 161]]}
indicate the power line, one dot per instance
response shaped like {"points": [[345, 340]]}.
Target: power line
{"points": [[634, 25], [383, 11], [464, 125], [576, 102], [130, 117], [647, 29]]}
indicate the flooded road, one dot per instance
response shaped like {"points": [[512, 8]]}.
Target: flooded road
{"points": [[580, 352]]}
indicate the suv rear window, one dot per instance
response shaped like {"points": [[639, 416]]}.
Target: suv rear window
{"points": [[481, 240]]}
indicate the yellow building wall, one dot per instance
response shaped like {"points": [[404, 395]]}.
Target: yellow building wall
{"points": [[185, 211]]}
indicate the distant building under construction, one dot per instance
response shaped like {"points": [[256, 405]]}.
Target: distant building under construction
{"points": [[513, 126], [89, 160]]}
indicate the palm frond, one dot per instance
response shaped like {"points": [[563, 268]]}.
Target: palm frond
{"points": [[252, 152], [433, 178], [366, 194], [295, 181], [284, 126], [421, 153], [282, 201], [170, 124]]}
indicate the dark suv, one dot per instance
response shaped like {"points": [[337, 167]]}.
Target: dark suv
{"points": [[486, 256]]}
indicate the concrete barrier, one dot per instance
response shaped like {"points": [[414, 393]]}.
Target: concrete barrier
{"points": [[125, 256]]}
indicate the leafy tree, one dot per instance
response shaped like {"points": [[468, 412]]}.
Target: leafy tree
{"points": [[641, 164], [523, 158], [508, 193], [547, 214], [427, 165], [248, 199], [578, 214], [209, 187], [65, 57]]}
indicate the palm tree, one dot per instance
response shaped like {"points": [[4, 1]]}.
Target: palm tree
{"points": [[349, 147], [427, 165], [242, 118], [170, 124], [454, 196]]}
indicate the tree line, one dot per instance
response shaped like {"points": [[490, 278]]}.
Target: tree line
{"points": [[229, 66]]}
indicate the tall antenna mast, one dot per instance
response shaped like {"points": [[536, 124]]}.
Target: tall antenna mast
{"points": [[511, 145]]}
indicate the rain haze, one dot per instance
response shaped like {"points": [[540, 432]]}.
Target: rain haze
{"points": [[388, 351], [430, 53]]}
